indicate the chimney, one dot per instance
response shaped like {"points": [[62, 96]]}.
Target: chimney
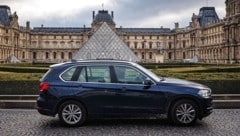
{"points": [[93, 15], [84, 28], [176, 25], [28, 25], [112, 14]]}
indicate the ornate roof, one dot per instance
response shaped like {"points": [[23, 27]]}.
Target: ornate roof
{"points": [[207, 15], [105, 43], [103, 16], [5, 15]]}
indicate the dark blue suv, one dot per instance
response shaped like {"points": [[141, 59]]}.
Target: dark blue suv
{"points": [[78, 90]]}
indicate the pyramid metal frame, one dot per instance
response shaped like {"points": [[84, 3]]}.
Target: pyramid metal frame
{"points": [[105, 44]]}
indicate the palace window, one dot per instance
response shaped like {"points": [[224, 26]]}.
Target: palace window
{"points": [[54, 55], [169, 55], [135, 45], [46, 55], [62, 55], [34, 55], [169, 45], [150, 45], [70, 55], [150, 55], [143, 55], [184, 55], [143, 44], [128, 44], [23, 55]]}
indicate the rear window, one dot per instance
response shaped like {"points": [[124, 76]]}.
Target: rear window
{"points": [[67, 75]]}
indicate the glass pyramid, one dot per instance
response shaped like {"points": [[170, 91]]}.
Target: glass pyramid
{"points": [[105, 44]]}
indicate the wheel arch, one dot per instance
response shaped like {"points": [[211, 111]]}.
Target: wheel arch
{"points": [[185, 97], [69, 99]]}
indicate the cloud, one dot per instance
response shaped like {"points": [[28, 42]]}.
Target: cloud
{"points": [[128, 13]]}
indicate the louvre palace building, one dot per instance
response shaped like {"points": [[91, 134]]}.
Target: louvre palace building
{"points": [[207, 38]]}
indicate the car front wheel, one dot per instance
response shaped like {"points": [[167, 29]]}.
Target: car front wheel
{"points": [[184, 112], [72, 113]]}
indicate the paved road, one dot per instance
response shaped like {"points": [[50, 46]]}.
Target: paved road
{"points": [[17, 122]]}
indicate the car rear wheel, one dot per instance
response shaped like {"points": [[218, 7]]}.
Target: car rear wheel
{"points": [[184, 112], [72, 113]]}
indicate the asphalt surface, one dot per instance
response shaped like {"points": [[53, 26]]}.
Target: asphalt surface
{"points": [[19, 122]]}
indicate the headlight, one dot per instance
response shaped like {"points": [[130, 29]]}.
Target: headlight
{"points": [[205, 93]]}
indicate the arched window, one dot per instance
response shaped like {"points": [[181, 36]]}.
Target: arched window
{"points": [[46, 55]]}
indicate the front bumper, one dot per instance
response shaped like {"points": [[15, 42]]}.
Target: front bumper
{"points": [[206, 108]]}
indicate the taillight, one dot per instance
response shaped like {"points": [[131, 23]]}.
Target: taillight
{"points": [[44, 87]]}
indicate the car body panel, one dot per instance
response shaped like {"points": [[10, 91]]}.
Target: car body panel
{"points": [[118, 98]]}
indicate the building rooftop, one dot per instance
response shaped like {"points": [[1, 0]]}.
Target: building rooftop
{"points": [[5, 14], [60, 29], [103, 16], [146, 30], [207, 15]]}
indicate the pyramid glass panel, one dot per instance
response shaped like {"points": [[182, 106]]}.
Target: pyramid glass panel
{"points": [[105, 44]]}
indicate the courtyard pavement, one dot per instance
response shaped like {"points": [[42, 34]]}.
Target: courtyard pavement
{"points": [[20, 122]]}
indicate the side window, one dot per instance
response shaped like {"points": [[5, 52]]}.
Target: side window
{"points": [[96, 74], [128, 75], [67, 75], [82, 75]]}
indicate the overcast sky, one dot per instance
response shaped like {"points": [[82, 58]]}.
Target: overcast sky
{"points": [[127, 13]]}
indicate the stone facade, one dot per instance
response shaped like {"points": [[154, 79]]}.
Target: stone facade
{"points": [[210, 39]]}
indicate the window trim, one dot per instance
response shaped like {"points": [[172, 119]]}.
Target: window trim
{"points": [[112, 72]]}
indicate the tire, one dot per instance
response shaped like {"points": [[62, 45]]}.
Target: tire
{"points": [[72, 113], [184, 112]]}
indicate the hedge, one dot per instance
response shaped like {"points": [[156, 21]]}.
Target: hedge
{"points": [[23, 70], [32, 87]]}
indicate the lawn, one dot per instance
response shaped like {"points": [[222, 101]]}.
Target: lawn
{"points": [[201, 72]]}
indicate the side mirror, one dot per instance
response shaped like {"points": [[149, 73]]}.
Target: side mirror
{"points": [[147, 82]]}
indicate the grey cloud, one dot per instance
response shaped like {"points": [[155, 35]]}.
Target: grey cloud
{"points": [[127, 13]]}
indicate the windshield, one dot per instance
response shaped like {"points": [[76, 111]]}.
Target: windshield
{"points": [[150, 73]]}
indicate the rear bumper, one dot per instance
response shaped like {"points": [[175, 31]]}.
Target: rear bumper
{"points": [[44, 107]]}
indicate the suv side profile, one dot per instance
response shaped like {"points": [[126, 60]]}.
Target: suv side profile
{"points": [[78, 90]]}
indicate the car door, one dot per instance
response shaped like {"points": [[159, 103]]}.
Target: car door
{"points": [[132, 96], [94, 88]]}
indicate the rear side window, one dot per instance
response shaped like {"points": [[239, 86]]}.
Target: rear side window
{"points": [[68, 75], [95, 74]]}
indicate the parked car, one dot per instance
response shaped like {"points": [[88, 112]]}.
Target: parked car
{"points": [[78, 90]]}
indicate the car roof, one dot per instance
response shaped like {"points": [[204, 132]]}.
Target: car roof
{"points": [[97, 61]]}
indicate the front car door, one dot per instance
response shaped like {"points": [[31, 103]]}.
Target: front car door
{"points": [[132, 96]]}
